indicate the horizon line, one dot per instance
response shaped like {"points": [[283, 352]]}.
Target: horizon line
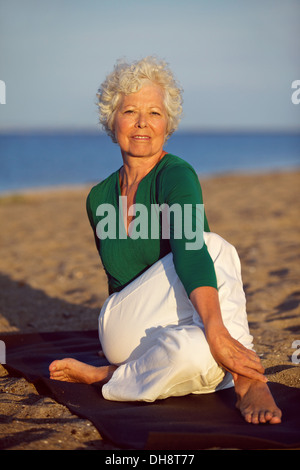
{"points": [[187, 130]]}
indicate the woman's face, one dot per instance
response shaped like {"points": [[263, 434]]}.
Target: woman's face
{"points": [[140, 124]]}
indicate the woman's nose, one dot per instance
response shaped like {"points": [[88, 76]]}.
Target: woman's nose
{"points": [[141, 120]]}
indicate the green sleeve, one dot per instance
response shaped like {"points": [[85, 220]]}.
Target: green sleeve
{"points": [[91, 219], [180, 186]]}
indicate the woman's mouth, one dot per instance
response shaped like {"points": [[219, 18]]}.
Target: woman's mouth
{"points": [[141, 138]]}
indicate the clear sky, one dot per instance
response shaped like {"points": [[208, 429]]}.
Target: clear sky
{"points": [[235, 59]]}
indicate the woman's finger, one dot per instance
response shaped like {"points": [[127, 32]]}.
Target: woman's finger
{"points": [[248, 372], [254, 362]]}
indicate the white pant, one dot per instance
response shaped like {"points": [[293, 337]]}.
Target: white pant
{"points": [[152, 332]]}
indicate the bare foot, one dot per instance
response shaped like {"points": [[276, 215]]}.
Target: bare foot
{"points": [[255, 401], [71, 370]]}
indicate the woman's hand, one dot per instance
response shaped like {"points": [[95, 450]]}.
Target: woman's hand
{"points": [[234, 357], [227, 352]]}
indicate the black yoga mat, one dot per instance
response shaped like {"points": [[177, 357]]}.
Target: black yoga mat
{"points": [[190, 422]]}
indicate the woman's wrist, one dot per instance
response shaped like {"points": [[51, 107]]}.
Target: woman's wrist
{"points": [[215, 330], [206, 302]]}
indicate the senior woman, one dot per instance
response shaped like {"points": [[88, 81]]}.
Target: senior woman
{"points": [[175, 321]]}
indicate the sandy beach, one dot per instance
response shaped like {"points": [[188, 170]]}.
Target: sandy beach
{"points": [[51, 279]]}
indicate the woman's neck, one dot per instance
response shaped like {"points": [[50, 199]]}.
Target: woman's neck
{"points": [[135, 169]]}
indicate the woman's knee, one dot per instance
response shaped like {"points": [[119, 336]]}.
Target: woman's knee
{"points": [[187, 348], [218, 247]]}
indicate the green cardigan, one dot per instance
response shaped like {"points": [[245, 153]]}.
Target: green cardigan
{"points": [[172, 182]]}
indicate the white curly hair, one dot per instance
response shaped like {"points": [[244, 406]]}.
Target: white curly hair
{"points": [[129, 78]]}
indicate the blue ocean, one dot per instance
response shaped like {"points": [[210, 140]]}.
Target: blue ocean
{"points": [[29, 161]]}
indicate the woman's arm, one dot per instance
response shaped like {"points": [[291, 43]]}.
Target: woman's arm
{"points": [[227, 352], [195, 268], [180, 186]]}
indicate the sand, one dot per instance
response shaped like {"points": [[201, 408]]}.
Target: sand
{"points": [[51, 279]]}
